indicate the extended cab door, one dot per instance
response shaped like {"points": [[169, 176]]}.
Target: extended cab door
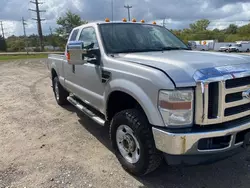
{"points": [[69, 70], [88, 76]]}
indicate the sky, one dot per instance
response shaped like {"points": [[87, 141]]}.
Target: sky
{"points": [[178, 13]]}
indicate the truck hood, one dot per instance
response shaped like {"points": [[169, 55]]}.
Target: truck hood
{"points": [[181, 65]]}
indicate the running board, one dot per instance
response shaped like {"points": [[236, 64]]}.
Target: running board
{"points": [[86, 111]]}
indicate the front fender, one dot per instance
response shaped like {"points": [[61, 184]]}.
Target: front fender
{"points": [[135, 91]]}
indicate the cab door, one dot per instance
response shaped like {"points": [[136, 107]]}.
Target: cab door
{"points": [[69, 69], [88, 77]]}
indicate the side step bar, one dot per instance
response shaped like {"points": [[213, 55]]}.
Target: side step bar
{"points": [[86, 111]]}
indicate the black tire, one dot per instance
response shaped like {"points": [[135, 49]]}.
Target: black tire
{"points": [[247, 50], [61, 99], [150, 158]]}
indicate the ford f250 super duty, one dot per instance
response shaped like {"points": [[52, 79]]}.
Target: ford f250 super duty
{"points": [[160, 99]]}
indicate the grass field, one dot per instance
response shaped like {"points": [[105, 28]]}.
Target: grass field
{"points": [[16, 57]]}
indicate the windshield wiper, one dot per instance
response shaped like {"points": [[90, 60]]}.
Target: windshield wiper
{"points": [[151, 49], [139, 50], [173, 48]]}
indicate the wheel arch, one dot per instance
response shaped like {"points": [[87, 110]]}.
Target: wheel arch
{"points": [[135, 93], [53, 73]]}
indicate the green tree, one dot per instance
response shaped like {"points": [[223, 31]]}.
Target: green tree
{"points": [[232, 29], [67, 23], [3, 46], [244, 30], [16, 45], [216, 30], [200, 25]]}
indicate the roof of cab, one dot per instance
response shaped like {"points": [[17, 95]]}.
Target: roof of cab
{"points": [[111, 22]]}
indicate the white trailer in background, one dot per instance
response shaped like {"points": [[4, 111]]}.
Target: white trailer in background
{"points": [[201, 48], [202, 45]]}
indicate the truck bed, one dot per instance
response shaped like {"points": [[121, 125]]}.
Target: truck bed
{"points": [[55, 61]]}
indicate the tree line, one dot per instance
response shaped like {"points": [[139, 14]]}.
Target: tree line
{"points": [[199, 31], [196, 31]]}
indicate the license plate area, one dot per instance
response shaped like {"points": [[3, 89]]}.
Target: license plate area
{"points": [[240, 136], [246, 142]]}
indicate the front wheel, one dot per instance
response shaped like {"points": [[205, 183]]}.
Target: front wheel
{"points": [[133, 142]]}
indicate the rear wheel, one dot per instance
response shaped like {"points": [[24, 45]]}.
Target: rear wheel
{"points": [[132, 139], [60, 93]]}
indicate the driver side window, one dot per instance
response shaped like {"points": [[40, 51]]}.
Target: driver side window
{"points": [[88, 36]]}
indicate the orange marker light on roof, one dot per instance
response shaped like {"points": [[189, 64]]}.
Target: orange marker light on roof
{"points": [[133, 20], [124, 20], [142, 21], [107, 20], [154, 23]]}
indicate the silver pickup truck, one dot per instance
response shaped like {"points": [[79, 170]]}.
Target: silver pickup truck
{"points": [[160, 99]]}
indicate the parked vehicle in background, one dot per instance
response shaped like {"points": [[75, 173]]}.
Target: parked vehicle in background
{"points": [[240, 47], [159, 99], [225, 48]]}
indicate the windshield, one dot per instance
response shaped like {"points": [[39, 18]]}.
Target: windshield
{"points": [[236, 45], [125, 37]]}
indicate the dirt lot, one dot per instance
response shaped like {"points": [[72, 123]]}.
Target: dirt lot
{"points": [[44, 145]]}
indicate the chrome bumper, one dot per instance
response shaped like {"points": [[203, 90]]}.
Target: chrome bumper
{"points": [[187, 143]]}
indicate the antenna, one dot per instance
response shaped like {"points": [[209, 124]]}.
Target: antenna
{"points": [[112, 10]]}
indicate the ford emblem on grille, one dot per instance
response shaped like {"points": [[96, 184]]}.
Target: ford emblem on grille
{"points": [[246, 94]]}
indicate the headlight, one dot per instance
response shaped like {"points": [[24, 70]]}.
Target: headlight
{"points": [[176, 107]]}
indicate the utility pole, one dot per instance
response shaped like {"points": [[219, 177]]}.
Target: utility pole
{"points": [[128, 7], [2, 28], [24, 28], [52, 38], [38, 19], [163, 23], [51, 31], [24, 34]]}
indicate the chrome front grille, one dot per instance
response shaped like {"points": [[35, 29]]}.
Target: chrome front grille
{"points": [[219, 99]]}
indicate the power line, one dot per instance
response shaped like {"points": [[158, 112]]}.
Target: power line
{"points": [[2, 28], [38, 19], [128, 7]]}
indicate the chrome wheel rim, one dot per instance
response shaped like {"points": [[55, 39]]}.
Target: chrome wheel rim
{"points": [[127, 144], [56, 91]]}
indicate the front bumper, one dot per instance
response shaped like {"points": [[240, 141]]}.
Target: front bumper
{"points": [[187, 143]]}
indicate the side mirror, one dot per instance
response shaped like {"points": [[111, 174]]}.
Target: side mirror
{"points": [[74, 52], [78, 54], [92, 55]]}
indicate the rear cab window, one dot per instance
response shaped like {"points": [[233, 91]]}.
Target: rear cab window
{"points": [[74, 35]]}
